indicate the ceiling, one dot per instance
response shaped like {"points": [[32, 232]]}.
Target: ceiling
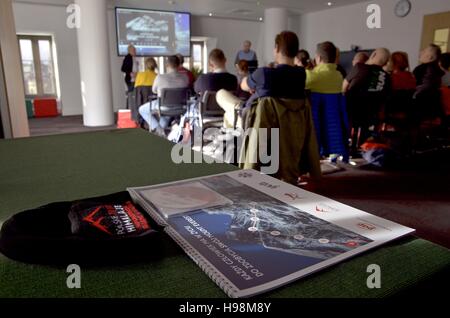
{"points": [[237, 9]]}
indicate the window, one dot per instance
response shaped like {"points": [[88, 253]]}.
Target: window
{"points": [[197, 59], [441, 38], [38, 65]]}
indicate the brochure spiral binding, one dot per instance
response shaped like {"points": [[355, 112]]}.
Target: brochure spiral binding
{"points": [[205, 266]]}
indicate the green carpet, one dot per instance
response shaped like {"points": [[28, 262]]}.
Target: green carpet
{"points": [[36, 171]]}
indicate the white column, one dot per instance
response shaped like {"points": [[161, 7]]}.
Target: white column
{"points": [[12, 93], [93, 50], [275, 21]]}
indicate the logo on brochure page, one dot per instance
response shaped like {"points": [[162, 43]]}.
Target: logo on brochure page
{"points": [[293, 196], [366, 226], [325, 209], [245, 175]]}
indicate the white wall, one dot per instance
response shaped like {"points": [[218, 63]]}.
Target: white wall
{"points": [[51, 20], [346, 26]]}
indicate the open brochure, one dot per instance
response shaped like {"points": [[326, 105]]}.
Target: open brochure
{"points": [[252, 233]]}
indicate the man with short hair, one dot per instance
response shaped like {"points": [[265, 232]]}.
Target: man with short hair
{"points": [[286, 80], [428, 78], [218, 78], [172, 79], [325, 77], [360, 58], [327, 103], [248, 55]]}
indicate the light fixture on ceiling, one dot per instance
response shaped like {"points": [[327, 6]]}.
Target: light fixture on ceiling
{"points": [[329, 4], [171, 2], [260, 19], [210, 14]]}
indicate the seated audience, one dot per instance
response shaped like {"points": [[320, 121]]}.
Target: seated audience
{"points": [[248, 55], [285, 80], [444, 63], [303, 60], [401, 77], [184, 70], [218, 78], [360, 58], [368, 77], [428, 78], [143, 85], [172, 79]]}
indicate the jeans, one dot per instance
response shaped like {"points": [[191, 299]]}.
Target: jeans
{"points": [[146, 112]]}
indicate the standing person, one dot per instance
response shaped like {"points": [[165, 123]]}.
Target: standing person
{"points": [[248, 55], [172, 79], [129, 67]]}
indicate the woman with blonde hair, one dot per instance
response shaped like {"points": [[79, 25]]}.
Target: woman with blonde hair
{"points": [[143, 85]]}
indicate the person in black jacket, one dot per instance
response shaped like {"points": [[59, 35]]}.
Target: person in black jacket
{"points": [[219, 78], [429, 78], [127, 67]]}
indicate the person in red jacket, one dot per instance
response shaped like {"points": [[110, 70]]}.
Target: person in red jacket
{"points": [[401, 77]]}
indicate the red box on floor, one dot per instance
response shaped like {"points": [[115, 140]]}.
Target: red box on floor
{"points": [[124, 119], [45, 108]]}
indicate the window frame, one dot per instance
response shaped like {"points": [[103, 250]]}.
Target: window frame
{"points": [[37, 64]]}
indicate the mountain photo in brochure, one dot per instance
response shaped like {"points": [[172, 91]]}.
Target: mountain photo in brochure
{"points": [[251, 233]]}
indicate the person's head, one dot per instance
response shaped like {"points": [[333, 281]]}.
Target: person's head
{"points": [[131, 50], [325, 53], [444, 62], [247, 45], [430, 54], [173, 63], [379, 57], [150, 64], [180, 58], [286, 47], [217, 59], [360, 57], [399, 61], [302, 59], [242, 67]]}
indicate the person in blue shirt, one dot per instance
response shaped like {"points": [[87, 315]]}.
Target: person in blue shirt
{"points": [[248, 55], [285, 80]]}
